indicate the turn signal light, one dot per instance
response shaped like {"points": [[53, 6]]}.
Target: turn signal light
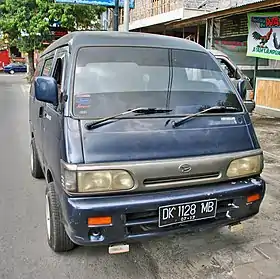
{"points": [[253, 198], [99, 221]]}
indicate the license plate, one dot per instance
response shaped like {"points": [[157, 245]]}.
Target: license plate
{"points": [[187, 212]]}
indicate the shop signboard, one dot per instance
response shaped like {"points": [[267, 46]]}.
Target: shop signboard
{"points": [[105, 3], [264, 35], [237, 51]]}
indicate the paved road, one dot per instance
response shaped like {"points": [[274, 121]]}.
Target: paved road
{"points": [[24, 253]]}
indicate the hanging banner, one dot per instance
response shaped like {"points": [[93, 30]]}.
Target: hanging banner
{"points": [[264, 35], [237, 52]]}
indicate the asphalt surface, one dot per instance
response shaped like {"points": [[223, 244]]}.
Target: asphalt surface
{"points": [[24, 253]]}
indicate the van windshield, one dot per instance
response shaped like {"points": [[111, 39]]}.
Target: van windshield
{"points": [[109, 80]]}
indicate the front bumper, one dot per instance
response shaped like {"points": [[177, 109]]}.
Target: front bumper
{"points": [[135, 216]]}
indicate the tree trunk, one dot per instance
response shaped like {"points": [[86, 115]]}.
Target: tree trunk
{"points": [[31, 68]]}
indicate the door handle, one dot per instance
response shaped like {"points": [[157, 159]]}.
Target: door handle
{"points": [[41, 112], [44, 114]]}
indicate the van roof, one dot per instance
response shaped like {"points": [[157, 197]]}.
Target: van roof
{"points": [[104, 38]]}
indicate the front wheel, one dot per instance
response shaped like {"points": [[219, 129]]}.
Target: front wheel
{"points": [[58, 239], [12, 72]]}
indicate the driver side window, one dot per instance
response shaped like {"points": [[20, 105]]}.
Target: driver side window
{"points": [[229, 70], [58, 76]]}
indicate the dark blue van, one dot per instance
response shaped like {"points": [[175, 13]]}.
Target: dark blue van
{"points": [[138, 136]]}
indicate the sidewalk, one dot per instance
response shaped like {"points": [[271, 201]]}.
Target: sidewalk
{"points": [[253, 253], [268, 131]]}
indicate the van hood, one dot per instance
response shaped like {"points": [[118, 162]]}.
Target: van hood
{"points": [[149, 138]]}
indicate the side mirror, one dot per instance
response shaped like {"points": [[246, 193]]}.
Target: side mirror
{"points": [[46, 90], [241, 88]]}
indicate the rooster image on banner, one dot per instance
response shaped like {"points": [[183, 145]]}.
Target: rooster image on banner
{"points": [[263, 38]]}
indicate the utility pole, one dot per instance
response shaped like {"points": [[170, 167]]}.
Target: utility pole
{"points": [[255, 73], [126, 15], [116, 16]]}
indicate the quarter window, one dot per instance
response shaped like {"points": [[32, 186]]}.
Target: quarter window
{"points": [[38, 69], [47, 67]]}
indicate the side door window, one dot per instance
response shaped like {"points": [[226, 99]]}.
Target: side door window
{"points": [[58, 74], [229, 70]]}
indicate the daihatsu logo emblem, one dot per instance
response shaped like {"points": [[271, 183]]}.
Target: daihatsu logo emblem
{"points": [[185, 168]]}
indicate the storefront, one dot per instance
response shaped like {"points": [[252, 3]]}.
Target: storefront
{"points": [[264, 43], [227, 31], [230, 36]]}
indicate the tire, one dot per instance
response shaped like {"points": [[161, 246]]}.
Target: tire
{"points": [[12, 72], [35, 166], [58, 239]]}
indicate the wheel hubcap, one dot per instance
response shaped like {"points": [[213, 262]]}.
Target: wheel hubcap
{"points": [[48, 217]]}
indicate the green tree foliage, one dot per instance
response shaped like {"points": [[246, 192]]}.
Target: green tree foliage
{"points": [[27, 22]]}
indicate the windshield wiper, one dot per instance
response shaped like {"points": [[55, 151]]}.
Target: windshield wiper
{"points": [[211, 109], [141, 110]]}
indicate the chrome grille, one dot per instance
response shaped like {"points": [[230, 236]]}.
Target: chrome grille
{"points": [[187, 178]]}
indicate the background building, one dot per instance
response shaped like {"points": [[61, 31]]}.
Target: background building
{"points": [[215, 24]]}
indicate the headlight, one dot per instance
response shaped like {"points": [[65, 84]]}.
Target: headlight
{"points": [[104, 181], [245, 166]]}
